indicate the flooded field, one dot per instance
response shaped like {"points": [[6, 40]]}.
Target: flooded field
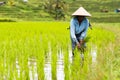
{"points": [[38, 53], [60, 64]]}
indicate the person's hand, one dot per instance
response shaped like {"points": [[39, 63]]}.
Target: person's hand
{"points": [[78, 45], [81, 42]]}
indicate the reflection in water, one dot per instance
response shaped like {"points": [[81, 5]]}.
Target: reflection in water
{"points": [[47, 65], [18, 68], [94, 54], [60, 66], [70, 56], [5, 66], [32, 65]]}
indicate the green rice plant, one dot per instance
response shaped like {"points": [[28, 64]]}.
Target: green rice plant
{"points": [[33, 40]]}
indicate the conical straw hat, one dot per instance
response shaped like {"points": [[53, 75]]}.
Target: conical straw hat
{"points": [[81, 12]]}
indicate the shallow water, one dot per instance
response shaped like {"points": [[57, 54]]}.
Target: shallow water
{"points": [[70, 56], [18, 68], [32, 65], [47, 68], [60, 66], [94, 54], [60, 74], [47, 65]]}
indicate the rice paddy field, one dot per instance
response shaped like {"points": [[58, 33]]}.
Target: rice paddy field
{"points": [[42, 51]]}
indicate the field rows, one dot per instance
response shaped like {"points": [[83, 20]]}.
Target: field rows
{"points": [[42, 51]]}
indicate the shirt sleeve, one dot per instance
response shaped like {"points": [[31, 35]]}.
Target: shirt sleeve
{"points": [[83, 34], [72, 31]]}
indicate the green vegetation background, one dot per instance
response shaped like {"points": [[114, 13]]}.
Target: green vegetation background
{"points": [[22, 40], [44, 10]]}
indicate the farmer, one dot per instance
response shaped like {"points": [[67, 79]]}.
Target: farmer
{"points": [[78, 28]]}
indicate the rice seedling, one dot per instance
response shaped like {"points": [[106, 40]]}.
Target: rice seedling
{"points": [[26, 48]]}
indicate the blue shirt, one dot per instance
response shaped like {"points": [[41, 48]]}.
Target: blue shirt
{"points": [[76, 28]]}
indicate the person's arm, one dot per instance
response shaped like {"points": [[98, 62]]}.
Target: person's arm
{"points": [[83, 34], [72, 32]]}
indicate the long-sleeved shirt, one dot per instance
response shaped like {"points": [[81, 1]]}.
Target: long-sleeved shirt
{"points": [[76, 28]]}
